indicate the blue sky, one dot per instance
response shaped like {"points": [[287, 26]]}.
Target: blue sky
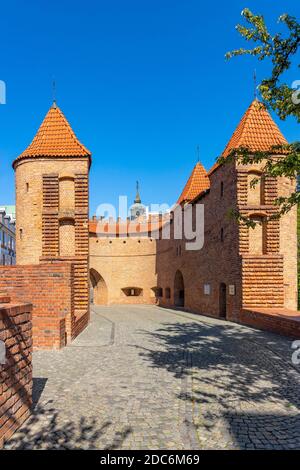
{"points": [[142, 82]]}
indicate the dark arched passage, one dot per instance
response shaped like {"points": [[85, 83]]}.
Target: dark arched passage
{"points": [[98, 288], [179, 289], [222, 300]]}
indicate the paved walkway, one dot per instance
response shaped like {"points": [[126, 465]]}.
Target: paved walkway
{"points": [[142, 377]]}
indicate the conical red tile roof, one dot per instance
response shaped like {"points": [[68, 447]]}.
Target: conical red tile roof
{"points": [[55, 138], [256, 130], [196, 184]]}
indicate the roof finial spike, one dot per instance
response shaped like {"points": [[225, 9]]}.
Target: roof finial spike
{"points": [[255, 84], [198, 153], [54, 93], [137, 197]]}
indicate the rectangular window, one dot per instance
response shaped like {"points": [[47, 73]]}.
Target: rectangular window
{"points": [[167, 292], [206, 289]]}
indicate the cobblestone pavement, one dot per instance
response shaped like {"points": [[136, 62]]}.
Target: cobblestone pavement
{"points": [[143, 377]]}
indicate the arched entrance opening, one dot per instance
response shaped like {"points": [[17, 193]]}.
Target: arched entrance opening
{"points": [[98, 286], [222, 300], [179, 289]]}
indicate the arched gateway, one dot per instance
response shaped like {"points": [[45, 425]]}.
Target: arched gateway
{"points": [[98, 288], [179, 289]]}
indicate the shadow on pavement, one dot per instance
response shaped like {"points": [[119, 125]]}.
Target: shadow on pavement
{"points": [[236, 378], [44, 430]]}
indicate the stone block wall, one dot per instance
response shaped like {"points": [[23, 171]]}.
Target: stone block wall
{"points": [[16, 372]]}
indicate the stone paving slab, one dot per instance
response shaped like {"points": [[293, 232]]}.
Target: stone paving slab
{"points": [[143, 377]]}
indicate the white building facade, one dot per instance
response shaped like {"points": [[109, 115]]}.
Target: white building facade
{"points": [[7, 238]]}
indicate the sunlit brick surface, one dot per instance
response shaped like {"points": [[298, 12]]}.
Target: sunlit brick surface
{"points": [[16, 373]]}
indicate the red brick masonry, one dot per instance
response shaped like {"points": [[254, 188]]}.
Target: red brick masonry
{"points": [[16, 373], [49, 287], [279, 320]]}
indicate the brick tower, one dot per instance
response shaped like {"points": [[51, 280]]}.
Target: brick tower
{"points": [[268, 252], [240, 273], [52, 205]]}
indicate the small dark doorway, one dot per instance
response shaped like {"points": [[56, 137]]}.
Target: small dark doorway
{"points": [[179, 289], [222, 299]]}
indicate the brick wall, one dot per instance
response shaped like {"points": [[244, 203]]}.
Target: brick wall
{"points": [[49, 287], [123, 263], [288, 247], [16, 373], [269, 277], [262, 281], [79, 293], [280, 324], [260, 264], [216, 263]]}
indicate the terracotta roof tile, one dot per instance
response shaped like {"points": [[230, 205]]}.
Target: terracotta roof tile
{"points": [[55, 138], [197, 183], [256, 130]]}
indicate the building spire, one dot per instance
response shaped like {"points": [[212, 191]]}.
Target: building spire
{"points": [[255, 84], [54, 93], [198, 153], [137, 196]]}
